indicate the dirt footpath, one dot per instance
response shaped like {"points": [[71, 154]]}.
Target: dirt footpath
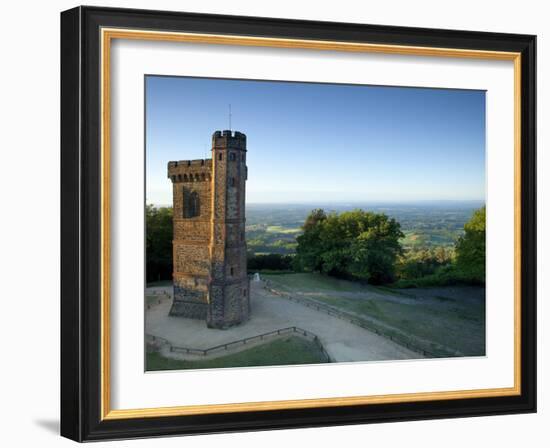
{"points": [[342, 340]]}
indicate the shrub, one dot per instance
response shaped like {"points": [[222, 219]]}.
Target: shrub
{"points": [[273, 262]]}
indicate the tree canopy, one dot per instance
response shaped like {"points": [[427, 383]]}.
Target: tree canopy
{"points": [[158, 223], [357, 244], [463, 265], [470, 248]]}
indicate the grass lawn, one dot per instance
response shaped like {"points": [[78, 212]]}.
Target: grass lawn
{"points": [[286, 351], [430, 319], [314, 282]]}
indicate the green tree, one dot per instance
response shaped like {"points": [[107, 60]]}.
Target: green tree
{"points": [[470, 248], [375, 251], [356, 244], [158, 245], [272, 262], [417, 263], [309, 249]]}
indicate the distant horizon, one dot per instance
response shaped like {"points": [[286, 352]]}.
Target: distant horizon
{"points": [[338, 142], [364, 203]]}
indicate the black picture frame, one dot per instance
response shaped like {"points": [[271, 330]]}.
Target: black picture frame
{"points": [[81, 224]]}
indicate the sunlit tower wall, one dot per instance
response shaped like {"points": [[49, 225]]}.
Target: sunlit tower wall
{"points": [[229, 300], [209, 247]]}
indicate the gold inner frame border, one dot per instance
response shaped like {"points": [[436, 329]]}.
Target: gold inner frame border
{"points": [[107, 35]]}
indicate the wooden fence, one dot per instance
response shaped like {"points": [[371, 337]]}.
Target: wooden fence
{"points": [[368, 325], [242, 342]]}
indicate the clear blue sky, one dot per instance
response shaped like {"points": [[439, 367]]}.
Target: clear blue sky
{"points": [[323, 142]]}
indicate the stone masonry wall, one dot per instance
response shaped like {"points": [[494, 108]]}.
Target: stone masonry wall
{"points": [[209, 247]]}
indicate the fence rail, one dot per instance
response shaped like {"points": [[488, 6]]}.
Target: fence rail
{"points": [[364, 323], [244, 341]]}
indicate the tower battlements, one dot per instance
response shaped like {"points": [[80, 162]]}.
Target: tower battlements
{"points": [[190, 170], [193, 163], [228, 139]]}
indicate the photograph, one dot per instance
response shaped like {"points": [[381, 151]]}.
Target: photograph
{"points": [[299, 223]]}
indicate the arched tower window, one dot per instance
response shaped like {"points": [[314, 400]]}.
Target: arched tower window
{"points": [[191, 205]]}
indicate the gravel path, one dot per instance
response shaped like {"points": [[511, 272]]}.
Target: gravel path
{"points": [[342, 340]]}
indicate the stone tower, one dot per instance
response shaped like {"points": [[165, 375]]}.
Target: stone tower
{"points": [[209, 247]]}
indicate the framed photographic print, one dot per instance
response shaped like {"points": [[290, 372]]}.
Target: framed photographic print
{"points": [[273, 223]]}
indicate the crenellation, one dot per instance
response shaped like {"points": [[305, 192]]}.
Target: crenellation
{"points": [[229, 140], [187, 163], [199, 170]]}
